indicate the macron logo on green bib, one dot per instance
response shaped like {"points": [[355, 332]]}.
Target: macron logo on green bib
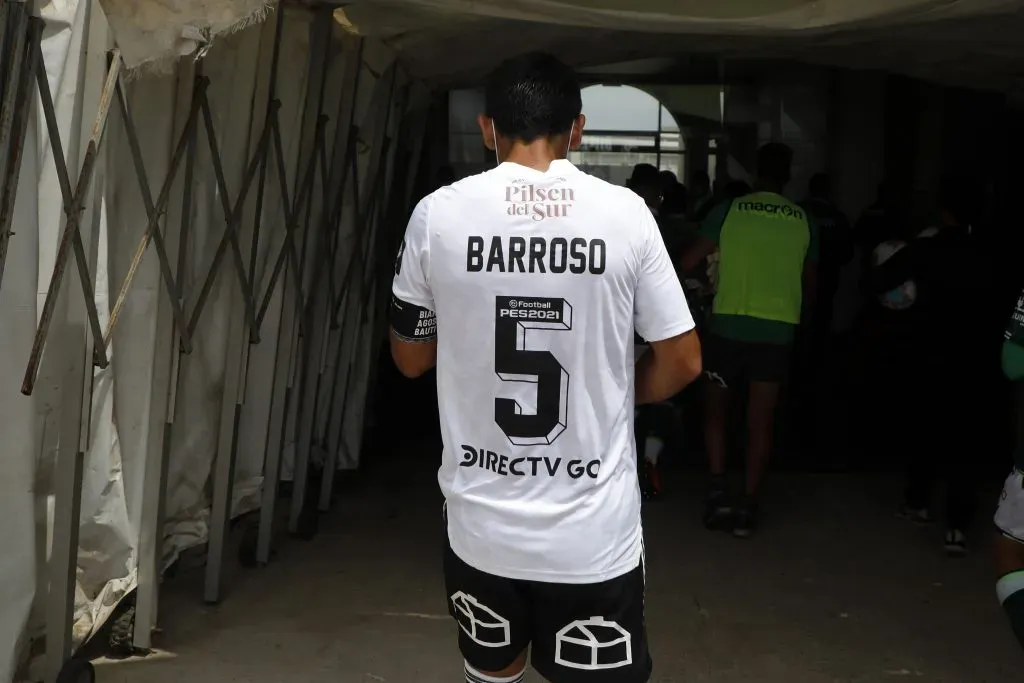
{"points": [[770, 209]]}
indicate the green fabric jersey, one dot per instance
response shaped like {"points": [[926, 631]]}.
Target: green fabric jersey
{"points": [[764, 241]]}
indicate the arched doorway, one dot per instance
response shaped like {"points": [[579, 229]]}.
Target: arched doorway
{"points": [[627, 126]]}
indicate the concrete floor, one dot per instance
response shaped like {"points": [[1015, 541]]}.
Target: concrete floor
{"points": [[834, 589]]}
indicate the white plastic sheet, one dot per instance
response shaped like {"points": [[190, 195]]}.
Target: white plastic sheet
{"points": [[972, 43], [148, 31], [130, 394], [28, 424]]}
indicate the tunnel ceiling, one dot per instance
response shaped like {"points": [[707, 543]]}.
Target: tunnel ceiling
{"points": [[969, 43]]}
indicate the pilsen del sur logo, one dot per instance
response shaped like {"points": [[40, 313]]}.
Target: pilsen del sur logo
{"points": [[523, 198]]}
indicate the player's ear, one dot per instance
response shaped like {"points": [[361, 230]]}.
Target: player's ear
{"points": [[576, 136], [486, 124]]}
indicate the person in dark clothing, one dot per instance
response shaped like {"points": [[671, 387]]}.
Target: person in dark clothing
{"points": [[668, 180], [883, 220], [936, 397], [646, 182], [700, 194], [836, 247], [653, 421], [675, 199], [1009, 518]]}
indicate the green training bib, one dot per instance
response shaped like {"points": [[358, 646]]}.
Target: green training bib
{"points": [[763, 244]]}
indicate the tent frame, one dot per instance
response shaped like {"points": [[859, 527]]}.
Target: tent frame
{"points": [[304, 338]]}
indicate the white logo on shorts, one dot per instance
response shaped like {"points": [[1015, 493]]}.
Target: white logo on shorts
{"points": [[593, 644], [478, 621]]}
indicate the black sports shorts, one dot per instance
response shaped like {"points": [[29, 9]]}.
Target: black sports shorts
{"points": [[578, 633], [728, 362]]}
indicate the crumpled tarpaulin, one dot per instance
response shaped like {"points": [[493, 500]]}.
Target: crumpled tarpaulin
{"points": [[149, 31]]}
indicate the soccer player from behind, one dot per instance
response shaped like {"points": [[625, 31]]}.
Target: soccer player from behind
{"points": [[767, 249], [1009, 549], [524, 285]]}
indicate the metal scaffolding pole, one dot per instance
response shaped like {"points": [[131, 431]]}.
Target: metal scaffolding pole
{"points": [[167, 363], [312, 339], [235, 381], [74, 207], [352, 326], [17, 66], [77, 382]]}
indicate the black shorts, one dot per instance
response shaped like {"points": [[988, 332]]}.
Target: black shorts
{"points": [[729, 361], [578, 633]]}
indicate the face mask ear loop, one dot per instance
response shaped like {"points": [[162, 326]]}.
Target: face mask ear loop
{"points": [[568, 146], [494, 132]]}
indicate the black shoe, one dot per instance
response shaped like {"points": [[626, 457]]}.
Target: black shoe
{"points": [[955, 543], [744, 520], [717, 511]]}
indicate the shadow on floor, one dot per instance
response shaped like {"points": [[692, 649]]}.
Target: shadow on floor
{"points": [[834, 589]]}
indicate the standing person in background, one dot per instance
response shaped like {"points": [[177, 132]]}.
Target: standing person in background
{"points": [[883, 220], [938, 401], [836, 250], [700, 195], [654, 422], [814, 371], [1009, 547], [668, 181], [768, 247], [524, 285], [646, 182]]}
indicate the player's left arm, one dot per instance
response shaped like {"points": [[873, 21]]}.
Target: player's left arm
{"points": [[413, 320]]}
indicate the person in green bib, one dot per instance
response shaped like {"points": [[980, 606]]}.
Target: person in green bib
{"points": [[768, 247], [1009, 519]]}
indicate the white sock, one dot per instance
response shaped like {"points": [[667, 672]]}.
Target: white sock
{"points": [[474, 676], [652, 447]]}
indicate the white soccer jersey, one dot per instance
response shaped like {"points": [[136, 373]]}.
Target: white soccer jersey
{"points": [[538, 281]]}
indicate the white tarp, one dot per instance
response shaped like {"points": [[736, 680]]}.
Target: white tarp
{"points": [[148, 31], [962, 42], [972, 43], [130, 397]]}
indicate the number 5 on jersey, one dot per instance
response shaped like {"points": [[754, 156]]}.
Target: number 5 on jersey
{"points": [[513, 317]]}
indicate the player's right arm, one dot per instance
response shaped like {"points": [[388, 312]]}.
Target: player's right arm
{"points": [[413, 323], [662, 317]]}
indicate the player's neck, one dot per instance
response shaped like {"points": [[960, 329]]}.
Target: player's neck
{"points": [[537, 155], [768, 186]]}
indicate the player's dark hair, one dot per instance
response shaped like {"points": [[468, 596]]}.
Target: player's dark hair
{"points": [[532, 96], [774, 163], [644, 177]]}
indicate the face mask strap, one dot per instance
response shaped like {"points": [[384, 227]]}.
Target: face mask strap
{"points": [[494, 132], [568, 146]]}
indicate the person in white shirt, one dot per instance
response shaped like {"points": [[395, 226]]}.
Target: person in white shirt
{"points": [[524, 285]]}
